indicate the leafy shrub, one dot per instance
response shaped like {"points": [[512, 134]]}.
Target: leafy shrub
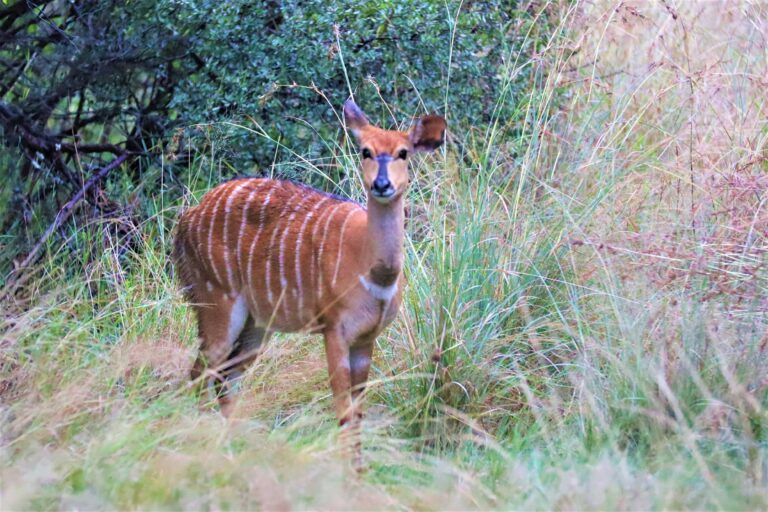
{"points": [[285, 62], [91, 80]]}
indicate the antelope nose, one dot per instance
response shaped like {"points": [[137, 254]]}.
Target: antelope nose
{"points": [[381, 184]]}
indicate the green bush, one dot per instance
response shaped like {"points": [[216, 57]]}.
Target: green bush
{"points": [[289, 63], [172, 78]]}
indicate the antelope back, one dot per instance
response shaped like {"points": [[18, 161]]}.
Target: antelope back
{"points": [[278, 245]]}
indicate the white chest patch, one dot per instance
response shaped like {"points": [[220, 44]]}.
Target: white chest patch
{"points": [[384, 293]]}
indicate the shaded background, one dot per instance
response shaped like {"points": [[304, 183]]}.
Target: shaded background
{"points": [[85, 82]]}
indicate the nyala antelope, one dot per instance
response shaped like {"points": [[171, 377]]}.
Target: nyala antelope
{"points": [[261, 255]]}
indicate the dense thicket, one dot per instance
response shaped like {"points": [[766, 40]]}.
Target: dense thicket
{"points": [[85, 82]]}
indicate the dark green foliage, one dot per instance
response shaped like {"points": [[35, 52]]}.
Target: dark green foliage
{"points": [[282, 62], [83, 82]]}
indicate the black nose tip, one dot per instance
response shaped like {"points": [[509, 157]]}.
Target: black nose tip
{"points": [[381, 184]]}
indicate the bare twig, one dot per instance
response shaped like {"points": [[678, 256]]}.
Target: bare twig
{"points": [[66, 211]]}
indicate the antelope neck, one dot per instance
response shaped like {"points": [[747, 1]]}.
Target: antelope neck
{"points": [[386, 232]]}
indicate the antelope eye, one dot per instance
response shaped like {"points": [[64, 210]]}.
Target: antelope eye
{"points": [[367, 153], [403, 154]]}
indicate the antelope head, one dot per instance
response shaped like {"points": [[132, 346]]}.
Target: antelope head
{"points": [[385, 153]]}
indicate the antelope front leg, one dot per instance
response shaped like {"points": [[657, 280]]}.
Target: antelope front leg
{"points": [[337, 354], [360, 364]]}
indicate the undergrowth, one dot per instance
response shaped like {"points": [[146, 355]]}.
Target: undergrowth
{"points": [[584, 325]]}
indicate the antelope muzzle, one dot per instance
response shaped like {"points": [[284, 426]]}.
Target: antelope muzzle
{"points": [[382, 189]]}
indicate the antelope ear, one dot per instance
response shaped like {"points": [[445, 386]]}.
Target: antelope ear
{"points": [[428, 133], [354, 117]]}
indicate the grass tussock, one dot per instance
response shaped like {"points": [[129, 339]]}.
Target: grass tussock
{"points": [[584, 325]]}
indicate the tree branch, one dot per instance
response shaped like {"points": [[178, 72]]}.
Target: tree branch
{"points": [[47, 144], [66, 211]]}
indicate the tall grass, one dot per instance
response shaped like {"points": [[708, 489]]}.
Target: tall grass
{"points": [[584, 324]]}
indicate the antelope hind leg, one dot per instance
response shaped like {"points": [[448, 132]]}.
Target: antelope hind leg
{"points": [[247, 348], [220, 321]]}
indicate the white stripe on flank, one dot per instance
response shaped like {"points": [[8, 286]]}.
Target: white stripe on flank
{"points": [[192, 234], [299, 241], [243, 223], [268, 277], [200, 221], [227, 211], [313, 261], [320, 251], [283, 280], [215, 214], [215, 193], [253, 246], [341, 245], [196, 238]]}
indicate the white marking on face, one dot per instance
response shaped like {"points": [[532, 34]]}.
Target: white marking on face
{"points": [[383, 293], [253, 246], [341, 245], [209, 286], [227, 211], [237, 317]]}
